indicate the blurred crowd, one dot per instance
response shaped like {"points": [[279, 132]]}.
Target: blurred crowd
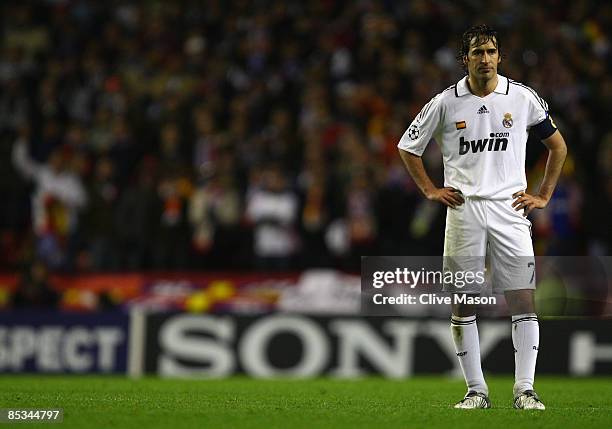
{"points": [[226, 135]]}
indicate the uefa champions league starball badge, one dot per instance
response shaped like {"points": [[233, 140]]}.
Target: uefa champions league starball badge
{"points": [[413, 132], [507, 122]]}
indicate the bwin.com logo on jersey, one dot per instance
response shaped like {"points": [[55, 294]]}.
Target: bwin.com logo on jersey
{"points": [[413, 132], [495, 143]]}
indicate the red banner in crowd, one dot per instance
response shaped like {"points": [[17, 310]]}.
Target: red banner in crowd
{"points": [[198, 292]]}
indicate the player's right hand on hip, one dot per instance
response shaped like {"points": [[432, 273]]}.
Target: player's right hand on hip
{"points": [[450, 197]]}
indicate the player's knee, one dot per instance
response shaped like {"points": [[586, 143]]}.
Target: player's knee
{"points": [[521, 307], [461, 309], [520, 301]]}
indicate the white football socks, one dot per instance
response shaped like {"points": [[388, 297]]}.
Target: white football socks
{"points": [[467, 346], [526, 340]]}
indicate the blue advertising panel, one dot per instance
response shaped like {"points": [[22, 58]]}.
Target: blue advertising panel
{"points": [[58, 342]]}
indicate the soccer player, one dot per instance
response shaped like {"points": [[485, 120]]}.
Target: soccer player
{"points": [[481, 125]]}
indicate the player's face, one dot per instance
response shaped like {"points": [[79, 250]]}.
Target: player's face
{"points": [[482, 60]]}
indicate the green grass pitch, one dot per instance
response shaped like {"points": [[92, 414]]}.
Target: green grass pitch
{"points": [[420, 402]]}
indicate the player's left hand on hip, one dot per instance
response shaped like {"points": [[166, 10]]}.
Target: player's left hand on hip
{"points": [[526, 202]]}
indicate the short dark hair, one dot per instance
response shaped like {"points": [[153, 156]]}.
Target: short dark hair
{"points": [[483, 33]]}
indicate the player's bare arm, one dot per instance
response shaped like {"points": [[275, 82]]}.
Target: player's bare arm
{"points": [[557, 151], [450, 197]]}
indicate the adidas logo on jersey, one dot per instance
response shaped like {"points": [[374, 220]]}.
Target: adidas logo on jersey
{"points": [[496, 142], [482, 110]]}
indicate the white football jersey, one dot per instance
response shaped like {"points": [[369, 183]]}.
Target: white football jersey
{"points": [[483, 139]]}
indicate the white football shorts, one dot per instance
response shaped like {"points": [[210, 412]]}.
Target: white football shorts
{"points": [[479, 228]]}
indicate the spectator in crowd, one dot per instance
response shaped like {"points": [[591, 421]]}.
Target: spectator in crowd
{"points": [[557, 227], [273, 210], [360, 213], [170, 154], [98, 230], [135, 219], [57, 199], [171, 238], [207, 139], [215, 213], [316, 211], [34, 288]]}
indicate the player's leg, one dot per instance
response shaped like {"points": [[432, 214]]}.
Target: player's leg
{"points": [[464, 250], [513, 266], [526, 341], [467, 347], [525, 337]]}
